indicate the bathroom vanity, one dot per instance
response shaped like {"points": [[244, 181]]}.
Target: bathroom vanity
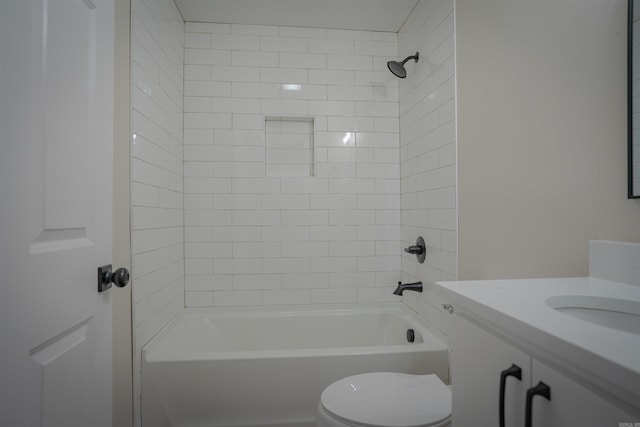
{"points": [[549, 352]]}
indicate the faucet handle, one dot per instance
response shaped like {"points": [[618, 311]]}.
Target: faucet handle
{"points": [[419, 250]]}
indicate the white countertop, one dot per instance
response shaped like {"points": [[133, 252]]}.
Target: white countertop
{"points": [[518, 307]]}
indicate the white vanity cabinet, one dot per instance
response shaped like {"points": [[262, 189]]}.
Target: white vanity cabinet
{"points": [[481, 361]]}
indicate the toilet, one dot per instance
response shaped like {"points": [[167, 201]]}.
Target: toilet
{"points": [[385, 399]]}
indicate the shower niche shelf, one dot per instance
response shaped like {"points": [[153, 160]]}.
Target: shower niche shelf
{"points": [[289, 145]]}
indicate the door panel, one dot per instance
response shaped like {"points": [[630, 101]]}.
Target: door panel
{"points": [[56, 121]]}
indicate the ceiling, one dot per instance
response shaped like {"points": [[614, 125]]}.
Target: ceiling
{"points": [[371, 15]]}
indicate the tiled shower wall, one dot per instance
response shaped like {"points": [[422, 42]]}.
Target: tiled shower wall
{"points": [[253, 237], [156, 170], [428, 152]]}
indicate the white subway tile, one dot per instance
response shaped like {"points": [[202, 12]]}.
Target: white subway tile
{"points": [[378, 232], [206, 88], [350, 124], [236, 298], [239, 137], [375, 78], [283, 75], [308, 92], [199, 282], [248, 121], [352, 249], [332, 233], [285, 201], [236, 74], [235, 234], [285, 233], [257, 250], [332, 296], [284, 107], [198, 136], [235, 105], [207, 57], [195, 234], [198, 299], [239, 169], [377, 140], [310, 61], [350, 93], [341, 47], [197, 72], [304, 217], [206, 27], [256, 281], [235, 42], [276, 297], [352, 279], [197, 104], [350, 62], [333, 201], [224, 266], [207, 120], [341, 154], [384, 36], [305, 281], [334, 264], [197, 40], [254, 59], [303, 32], [349, 34], [304, 185], [256, 185], [331, 77], [374, 47], [256, 217], [254, 90], [377, 295], [351, 217], [286, 265], [335, 108], [256, 30], [208, 250], [283, 44], [304, 249], [388, 217], [198, 266]]}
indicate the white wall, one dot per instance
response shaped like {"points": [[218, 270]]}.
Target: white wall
{"points": [[156, 171], [257, 240], [428, 152], [542, 135]]}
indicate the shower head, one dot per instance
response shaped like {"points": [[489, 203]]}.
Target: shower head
{"points": [[397, 68]]}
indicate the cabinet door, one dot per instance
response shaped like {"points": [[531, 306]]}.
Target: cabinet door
{"points": [[477, 359], [571, 403]]}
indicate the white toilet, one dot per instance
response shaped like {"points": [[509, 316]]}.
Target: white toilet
{"points": [[385, 399]]}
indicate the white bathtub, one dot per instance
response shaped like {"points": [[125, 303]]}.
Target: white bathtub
{"points": [[268, 366]]}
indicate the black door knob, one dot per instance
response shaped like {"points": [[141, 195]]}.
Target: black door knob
{"points": [[107, 277]]}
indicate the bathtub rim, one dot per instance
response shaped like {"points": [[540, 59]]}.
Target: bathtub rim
{"points": [[434, 343]]}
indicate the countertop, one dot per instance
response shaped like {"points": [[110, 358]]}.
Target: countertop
{"points": [[605, 356]]}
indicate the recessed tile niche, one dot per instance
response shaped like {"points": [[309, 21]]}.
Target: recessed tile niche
{"points": [[289, 146]]}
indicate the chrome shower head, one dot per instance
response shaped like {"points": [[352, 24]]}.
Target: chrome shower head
{"points": [[397, 68]]}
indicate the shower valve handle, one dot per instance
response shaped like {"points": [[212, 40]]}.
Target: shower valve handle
{"points": [[414, 249]]}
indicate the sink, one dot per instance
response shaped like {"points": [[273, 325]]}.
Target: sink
{"points": [[623, 315]]}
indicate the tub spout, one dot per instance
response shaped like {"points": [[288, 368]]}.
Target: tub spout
{"points": [[417, 287]]}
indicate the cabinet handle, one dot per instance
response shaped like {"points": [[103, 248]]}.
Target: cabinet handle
{"points": [[513, 371], [542, 390]]}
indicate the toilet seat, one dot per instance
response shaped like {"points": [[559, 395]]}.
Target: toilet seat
{"points": [[386, 399]]}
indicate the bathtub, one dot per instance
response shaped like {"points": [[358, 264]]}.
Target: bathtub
{"points": [[268, 366]]}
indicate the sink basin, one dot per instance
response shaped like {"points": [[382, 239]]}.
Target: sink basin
{"points": [[623, 315]]}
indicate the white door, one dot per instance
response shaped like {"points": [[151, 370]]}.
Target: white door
{"points": [[56, 130]]}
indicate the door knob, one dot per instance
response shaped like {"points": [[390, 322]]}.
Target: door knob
{"points": [[107, 277]]}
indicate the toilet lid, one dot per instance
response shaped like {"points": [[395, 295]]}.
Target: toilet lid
{"points": [[389, 399]]}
